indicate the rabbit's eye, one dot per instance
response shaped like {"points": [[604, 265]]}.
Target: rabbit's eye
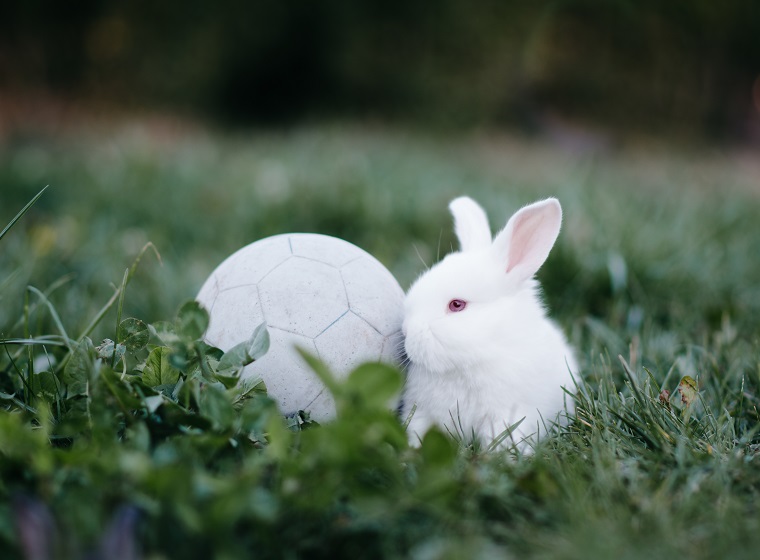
{"points": [[456, 305]]}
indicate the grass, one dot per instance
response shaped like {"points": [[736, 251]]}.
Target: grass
{"points": [[657, 263]]}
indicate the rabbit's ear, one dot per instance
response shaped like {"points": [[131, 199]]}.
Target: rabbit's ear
{"points": [[470, 224], [528, 237]]}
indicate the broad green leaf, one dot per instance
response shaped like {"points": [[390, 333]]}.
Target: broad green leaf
{"points": [[258, 344], [231, 362], [438, 453], [176, 415], [192, 320], [119, 388], [216, 406], [158, 369], [76, 374], [166, 388], [437, 449], [45, 385], [247, 388], [322, 371], [252, 384], [375, 384], [240, 355], [211, 352], [229, 381], [279, 437], [77, 417], [165, 331], [133, 334], [179, 358], [138, 437]]}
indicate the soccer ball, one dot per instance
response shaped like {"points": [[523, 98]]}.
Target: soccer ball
{"points": [[313, 291]]}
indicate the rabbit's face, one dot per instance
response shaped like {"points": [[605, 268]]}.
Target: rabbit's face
{"points": [[460, 312], [452, 310]]}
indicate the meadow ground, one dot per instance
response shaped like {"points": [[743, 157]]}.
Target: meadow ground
{"points": [[655, 278]]}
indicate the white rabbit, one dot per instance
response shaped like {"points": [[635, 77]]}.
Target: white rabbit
{"points": [[482, 353]]}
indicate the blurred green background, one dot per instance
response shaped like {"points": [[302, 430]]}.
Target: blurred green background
{"points": [[679, 67]]}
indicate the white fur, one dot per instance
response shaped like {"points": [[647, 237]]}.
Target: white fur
{"points": [[500, 360], [470, 224]]}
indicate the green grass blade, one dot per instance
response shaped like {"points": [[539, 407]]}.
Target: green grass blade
{"points": [[30, 309], [120, 306], [117, 295], [22, 212], [53, 314], [24, 381], [632, 378], [136, 262], [51, 340], [100, 314]]}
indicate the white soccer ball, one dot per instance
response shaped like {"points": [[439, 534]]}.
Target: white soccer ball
{"points": [[314, 291]]}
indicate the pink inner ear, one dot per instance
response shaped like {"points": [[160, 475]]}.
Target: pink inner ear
{"points": [[526, 235], [532, 233]]}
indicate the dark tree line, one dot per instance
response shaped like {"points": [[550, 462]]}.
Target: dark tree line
{"points": [[688, 64]]}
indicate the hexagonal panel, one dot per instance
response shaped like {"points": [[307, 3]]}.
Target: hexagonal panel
{"points": [[290, 382], [234, 315], [348, 343], [322, 408], [251, 263], [323, 248], [303, 296], [374, 294]]}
